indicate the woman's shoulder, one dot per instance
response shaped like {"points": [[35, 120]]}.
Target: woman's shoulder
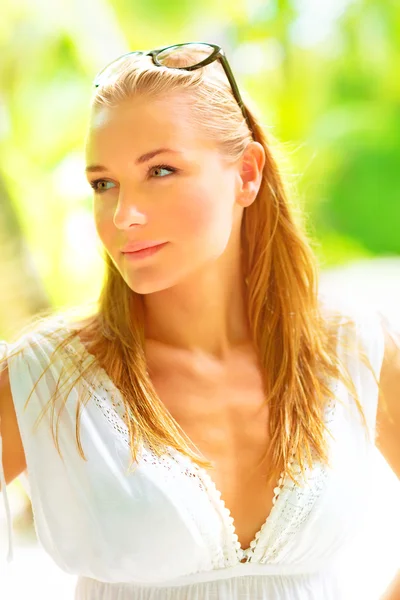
{"points": [[352, 321], [46, 340], [359, 333]]}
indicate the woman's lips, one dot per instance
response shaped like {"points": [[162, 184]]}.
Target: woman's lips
{"points": [[139, 254]]}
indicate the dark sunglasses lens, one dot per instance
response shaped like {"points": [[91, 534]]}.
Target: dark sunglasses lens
{"points": [[187, 55]]}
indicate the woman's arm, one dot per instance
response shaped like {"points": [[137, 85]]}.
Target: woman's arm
{"points": [[12, 456], [388, 415], [388, 422], [393, 591]]}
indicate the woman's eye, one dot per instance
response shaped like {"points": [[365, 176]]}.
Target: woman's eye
{"points": [[95, 183], [159, 171]]}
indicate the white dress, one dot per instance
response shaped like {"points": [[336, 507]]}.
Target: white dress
{"points": [[163, 531]]}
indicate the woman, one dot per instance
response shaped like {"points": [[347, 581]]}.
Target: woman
{"points": [[210, 347]]}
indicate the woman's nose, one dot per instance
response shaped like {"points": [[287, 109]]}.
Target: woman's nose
{"points": [[129, 211]]}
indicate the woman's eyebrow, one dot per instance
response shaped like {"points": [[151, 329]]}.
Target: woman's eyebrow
{"points": [[142, 159], [149, 155]]}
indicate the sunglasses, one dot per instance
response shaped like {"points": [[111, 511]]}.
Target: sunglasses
{"points": [[188, 56]]}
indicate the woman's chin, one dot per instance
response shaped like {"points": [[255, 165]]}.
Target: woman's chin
{"points": [[146, 285]]}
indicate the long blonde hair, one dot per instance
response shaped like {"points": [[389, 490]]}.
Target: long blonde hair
{"points": [[295, 338]]}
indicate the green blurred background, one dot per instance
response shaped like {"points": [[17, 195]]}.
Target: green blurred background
{"points": [[324, 74]]}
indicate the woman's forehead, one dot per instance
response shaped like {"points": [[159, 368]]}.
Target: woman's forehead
{"points": [[170, 111], [159, 123]]}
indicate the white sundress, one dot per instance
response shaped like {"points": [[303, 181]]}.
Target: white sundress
{"points": [[163, 531]]}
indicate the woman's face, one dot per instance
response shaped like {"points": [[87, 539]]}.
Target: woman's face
{"points": [[182, 192]]}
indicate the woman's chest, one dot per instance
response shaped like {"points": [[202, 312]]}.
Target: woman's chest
{"points": [[224, 414]]}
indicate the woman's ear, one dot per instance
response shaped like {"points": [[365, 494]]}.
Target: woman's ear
{"points": [[251, 168]]}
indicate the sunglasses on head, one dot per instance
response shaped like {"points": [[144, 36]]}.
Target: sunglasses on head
{"points": [[188, 56]]}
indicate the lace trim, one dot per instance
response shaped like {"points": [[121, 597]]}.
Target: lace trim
{"points": [[234, 552], [295, 507], [292, 505]]}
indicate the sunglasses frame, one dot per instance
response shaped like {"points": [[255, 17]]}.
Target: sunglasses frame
{"points": [[216, 54]]}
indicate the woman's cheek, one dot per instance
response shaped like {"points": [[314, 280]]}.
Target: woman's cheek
{"points": [[103, 220], [194, 215]]}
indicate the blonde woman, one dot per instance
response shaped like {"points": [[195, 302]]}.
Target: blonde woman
{"points": [[207, 430]]}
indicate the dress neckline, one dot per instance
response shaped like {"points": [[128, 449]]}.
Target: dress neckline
{"points": [[282, 491]]}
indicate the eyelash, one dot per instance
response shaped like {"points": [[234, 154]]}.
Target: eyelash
{"points": [[94, 183]]}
